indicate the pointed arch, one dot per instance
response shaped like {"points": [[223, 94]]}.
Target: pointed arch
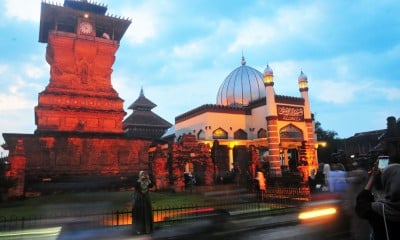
{"points": [[262, 133], [201, 135], [220, 133], [240, 134], [290, 132]]}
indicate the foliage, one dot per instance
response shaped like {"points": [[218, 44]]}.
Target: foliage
{"points": [[332, 143]]}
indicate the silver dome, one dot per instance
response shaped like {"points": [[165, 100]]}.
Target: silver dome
{"points": [[243, 85]]}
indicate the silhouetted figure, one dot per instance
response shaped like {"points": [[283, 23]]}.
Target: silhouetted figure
{"points": [[142, 212], [357, 178]]}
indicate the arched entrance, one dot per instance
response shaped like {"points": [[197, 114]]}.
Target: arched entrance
{"points": [[291, 138]]}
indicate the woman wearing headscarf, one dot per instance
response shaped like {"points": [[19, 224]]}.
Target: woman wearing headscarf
{"points": [[383, 215], [142, 211]]}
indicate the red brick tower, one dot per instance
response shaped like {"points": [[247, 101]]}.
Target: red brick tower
{"points": [[79, 141], [81, 45]]}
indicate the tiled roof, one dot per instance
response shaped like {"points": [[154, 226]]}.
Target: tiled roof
{"points": [[145, 118], [142, 103]]}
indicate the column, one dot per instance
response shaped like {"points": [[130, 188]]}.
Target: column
{"points": [[273, 146], [230, 150]]}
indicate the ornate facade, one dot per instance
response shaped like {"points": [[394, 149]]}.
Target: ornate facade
{"points": [[252, 125]]}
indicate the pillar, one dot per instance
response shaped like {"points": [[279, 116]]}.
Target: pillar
{"points": [[18, 164], [273, 146], [230, 151]]}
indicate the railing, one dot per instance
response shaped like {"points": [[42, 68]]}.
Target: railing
{"points": [[266, 203]]}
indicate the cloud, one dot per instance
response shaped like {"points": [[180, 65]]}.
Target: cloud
{"points": [[19, 101], [3, 68], [20, 85], [148, 20], [338, 92], [296, 22], [190, 50], [35, 71], [389, 93], [23, 10]]}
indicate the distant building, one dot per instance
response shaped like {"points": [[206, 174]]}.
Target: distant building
{"points": [[363, 143], [143, 123]]}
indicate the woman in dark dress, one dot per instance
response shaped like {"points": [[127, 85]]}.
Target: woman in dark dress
{"points": [[142, 211]]}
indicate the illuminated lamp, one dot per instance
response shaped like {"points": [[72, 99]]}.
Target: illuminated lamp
{"points": [[303, 82], [86, 15], [268, 76]]}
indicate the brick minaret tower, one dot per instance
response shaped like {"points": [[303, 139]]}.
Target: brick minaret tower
{"points": [[81, 45]]}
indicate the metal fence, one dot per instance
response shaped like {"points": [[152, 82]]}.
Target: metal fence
{"points": [[260, 203]]}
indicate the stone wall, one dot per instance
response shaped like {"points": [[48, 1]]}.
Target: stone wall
{"points": [[59, 158]]}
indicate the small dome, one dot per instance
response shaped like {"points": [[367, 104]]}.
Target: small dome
{"points": [[302, 77], [243, 85], [268, 71]]}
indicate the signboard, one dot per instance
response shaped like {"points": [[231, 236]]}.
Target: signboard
{"points": [[290, 113]]}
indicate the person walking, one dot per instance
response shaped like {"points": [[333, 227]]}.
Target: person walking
{"points": [[142, 212], [383, 215], [356, 179], [262, 185]]}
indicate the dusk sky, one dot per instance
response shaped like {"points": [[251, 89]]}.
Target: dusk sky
{"points": [[180, 51]]}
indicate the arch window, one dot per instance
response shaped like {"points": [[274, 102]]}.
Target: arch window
{"points": [[290, 133], [201, 135], [220, 133], [262, 133], [240, 134]]}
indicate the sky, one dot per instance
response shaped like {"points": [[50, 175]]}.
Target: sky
{"points": [[181, 51]]}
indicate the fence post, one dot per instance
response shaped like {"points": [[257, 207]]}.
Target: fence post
{"points": [[117, 218]]}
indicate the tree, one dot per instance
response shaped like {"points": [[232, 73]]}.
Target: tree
{"points": [[332, 143]]}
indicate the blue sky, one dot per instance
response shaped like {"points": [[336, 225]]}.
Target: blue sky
{"points": [[180, 52]]}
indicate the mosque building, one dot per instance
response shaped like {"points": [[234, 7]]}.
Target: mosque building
{"points": [[83, 140], [251, 124]]}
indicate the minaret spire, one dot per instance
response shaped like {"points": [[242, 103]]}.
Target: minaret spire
{"points": [[141, 91]]}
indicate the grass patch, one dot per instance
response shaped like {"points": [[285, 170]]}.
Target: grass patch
{"points": [[67, 204]]}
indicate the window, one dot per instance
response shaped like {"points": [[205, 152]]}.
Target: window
{"points": [[240, 134], [262, 133], [220, 133], [290, 132]]}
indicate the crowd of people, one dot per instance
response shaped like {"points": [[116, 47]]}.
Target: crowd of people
{"points": [[371, 199], [370, 196]]}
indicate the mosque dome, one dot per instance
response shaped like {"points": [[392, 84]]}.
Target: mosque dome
{"points": [[242, 86]]}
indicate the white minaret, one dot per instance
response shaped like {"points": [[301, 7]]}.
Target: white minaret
{"points": [[272, 124], [303, 88], [269, 90]]}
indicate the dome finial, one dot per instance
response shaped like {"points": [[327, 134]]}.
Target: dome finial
{"points": [[243, 60]]}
